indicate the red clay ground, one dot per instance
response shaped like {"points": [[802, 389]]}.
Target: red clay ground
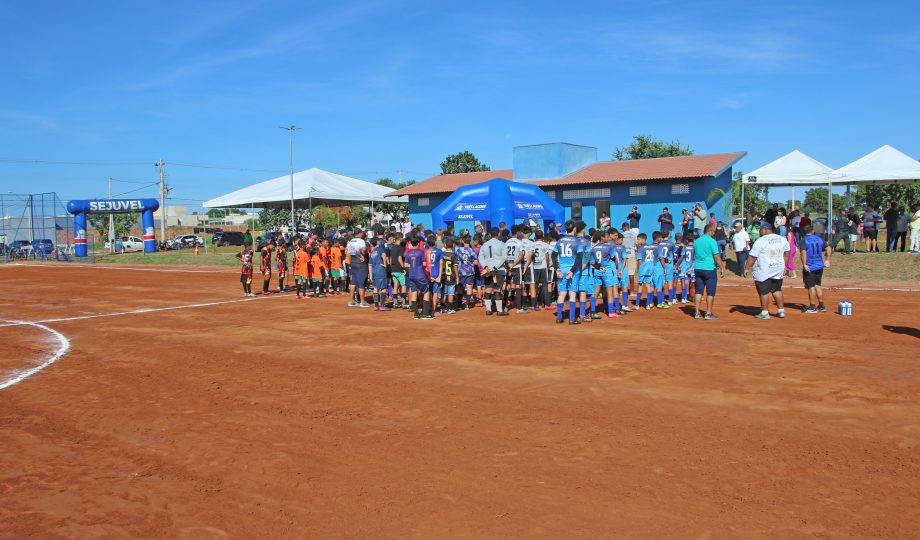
{"points": [[278, 418]]}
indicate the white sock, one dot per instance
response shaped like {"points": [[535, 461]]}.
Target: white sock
{"points": [[764, 312], [488, 304]]}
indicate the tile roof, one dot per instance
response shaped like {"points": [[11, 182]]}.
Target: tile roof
{"points": [[447, 183], [647, 169]]}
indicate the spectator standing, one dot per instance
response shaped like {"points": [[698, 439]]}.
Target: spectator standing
{"points": [[358, 268], [633, 218], [604, 221], [767, 262], [780, 222], [699, 220], [753, 228], [915, 229], [741, 243], [377, 229], [841, 231], [721, 238], [892, 215], [629, 247], [855, 225], [871, 220], [685, 222], [247, 239], [790, 262], [770, 215], [706, 259], [903, 225], [666, 220]]}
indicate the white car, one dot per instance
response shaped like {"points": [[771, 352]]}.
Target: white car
{"points": [[189, 240], [126, 244]]}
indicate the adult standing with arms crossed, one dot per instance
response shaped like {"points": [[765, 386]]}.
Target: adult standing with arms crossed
{"points": [[741, 243], [633, 218], [706, 259], [359, 269], [699, 220]]}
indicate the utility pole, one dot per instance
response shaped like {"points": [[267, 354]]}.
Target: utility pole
{"points": [[111, 223], [291, 131], [160, 164]]}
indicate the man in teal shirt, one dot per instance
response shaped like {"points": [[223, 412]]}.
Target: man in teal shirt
{"points": [[706, 256]]}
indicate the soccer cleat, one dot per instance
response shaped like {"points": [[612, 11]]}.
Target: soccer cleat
{"points": [[451, 311], [685, 301], [627, 309], [648, 307], [559, 321], [585, 319], [364, 305], [613, 315], [821, 308], [663, 306], [502, 314], [384, 308], [596, 316], [427, 317], [574, 321], [417, 316], [352, 304], [488, 313], [622, 312], [762, 316], [810, 310]]}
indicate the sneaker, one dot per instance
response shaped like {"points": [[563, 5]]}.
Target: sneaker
{"points": [[585, 319], [762, 316], [627, 309], [821, 308], [664, 306], [522, 310], [622, 312], [417, 316], [613, 315], [384, 308], [502, 313], [781, 314], [488, 313], [698, 315], [710, 317], [451, 311], [685, 301], [574, 321], [596, 316], [427, 317], [810, 310], [364, 304], [352, 304], [559, 321], [648, 307]]}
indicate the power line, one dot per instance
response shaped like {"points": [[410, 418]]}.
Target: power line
{"points": [[56, 162], [225, 167]]}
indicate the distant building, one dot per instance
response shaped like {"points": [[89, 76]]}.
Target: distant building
{"points": [[586, 187]]}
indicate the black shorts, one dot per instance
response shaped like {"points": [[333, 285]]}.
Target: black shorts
{"points": [[359, 276], [540, 276], [871, 234], [495, 279], [706, 282], [812, 278], [516, 275], [767, 286], [527, 276]]}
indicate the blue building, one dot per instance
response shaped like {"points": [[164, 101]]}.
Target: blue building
{"points": [[587, 188]]}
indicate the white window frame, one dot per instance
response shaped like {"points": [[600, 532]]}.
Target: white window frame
{"points": [[423, 201], [680, 189], [596, 193], [638, 191]]}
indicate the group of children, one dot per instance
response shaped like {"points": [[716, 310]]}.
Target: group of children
{"points": [[318, 266], [519, 268]]}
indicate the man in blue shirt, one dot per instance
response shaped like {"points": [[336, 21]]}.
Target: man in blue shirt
{"points": [[813, 251], [567, 257]]}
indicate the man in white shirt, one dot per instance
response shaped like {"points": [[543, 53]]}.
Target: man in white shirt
{"points": [[767, 263], [357, 251], [741, 243]]}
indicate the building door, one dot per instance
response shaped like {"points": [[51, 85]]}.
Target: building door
{"points": [[576, 210], [601, 207]]}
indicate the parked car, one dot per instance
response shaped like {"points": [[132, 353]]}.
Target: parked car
{"points": [[20, 249], [207, 230], [189, 240], [43, 246], [228, 238], [126, 244]]}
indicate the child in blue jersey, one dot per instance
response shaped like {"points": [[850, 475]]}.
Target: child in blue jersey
{"points": [[647, 254], [666, 254], [466, 270], [433, 258], [685, 268], [567, 259], [586, 282], [378, 262], [622, 273], [602, 258], [417, 278]]}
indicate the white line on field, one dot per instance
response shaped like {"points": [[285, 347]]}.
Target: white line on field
{"points": [[129, 268], [143, 310], [63, 346], [831, 287]]}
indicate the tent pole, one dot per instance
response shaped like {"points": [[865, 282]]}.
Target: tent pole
{"points": [[741, 207], [830, 211]]}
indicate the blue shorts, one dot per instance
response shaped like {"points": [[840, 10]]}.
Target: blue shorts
{"points": [[624, 277], [608, 278], [380, 282], [467, 281], [706, 279], [586, 283], [419, 285], [669, 272], [646, 274], [479, 282], [450, 290], [563, 284], [359, 276], [685, 272], [435, 288]]}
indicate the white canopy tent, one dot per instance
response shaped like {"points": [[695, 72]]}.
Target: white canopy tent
{"points": [[794, 169], [887, 165], [309, 185]]}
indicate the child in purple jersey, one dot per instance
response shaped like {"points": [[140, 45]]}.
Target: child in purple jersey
{"points": [[417, 278]]}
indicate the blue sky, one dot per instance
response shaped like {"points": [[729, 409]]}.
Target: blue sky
{"points": [[389, 85]]}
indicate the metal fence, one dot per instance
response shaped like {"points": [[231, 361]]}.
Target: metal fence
{"points": [[35, 226]]}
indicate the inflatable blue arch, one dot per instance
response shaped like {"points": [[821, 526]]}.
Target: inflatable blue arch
{"points": [[80, 209], [498, 200]]}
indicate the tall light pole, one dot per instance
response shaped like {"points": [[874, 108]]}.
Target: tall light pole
{"points": [[291, 131], [162, 200]]}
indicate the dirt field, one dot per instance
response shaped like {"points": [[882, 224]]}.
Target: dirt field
{"points": [[279, 418]]}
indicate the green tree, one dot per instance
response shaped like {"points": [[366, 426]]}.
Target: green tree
{"points": [[755, 197], [882, 195], [217, 213], [396, 210], [269, 218], [325, 217], [462, 162], [815, 201], [123, 224], [646, 146]]}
